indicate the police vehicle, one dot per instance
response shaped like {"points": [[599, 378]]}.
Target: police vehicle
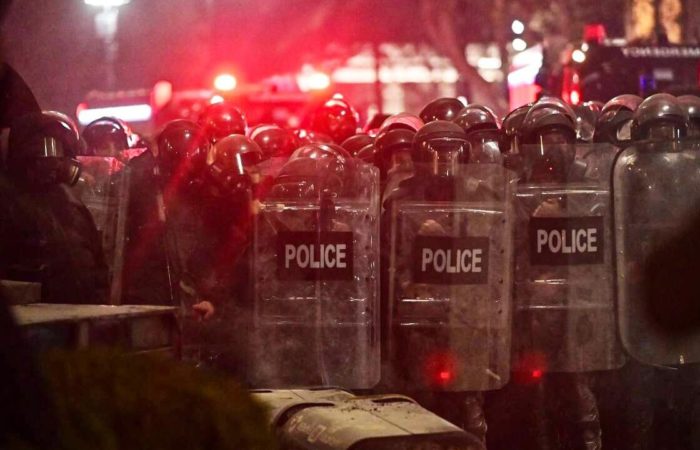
{"points": [[601, 68]]}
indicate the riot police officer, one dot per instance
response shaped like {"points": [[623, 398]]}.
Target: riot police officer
{"points": [[394, 148], [657, 313], [691, 103], [307, 136], [614, 123], [222, 119], [552, 352], [106, 136], [335, 118], [314, 274], [361, 146], [277, 145], [50, 236], [182, 152], [445, 108], [274, 141], [426, 331], [482, 128]]}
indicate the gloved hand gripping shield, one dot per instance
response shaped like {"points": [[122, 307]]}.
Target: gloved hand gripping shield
{"points": [[315, 274], [656, 193], [564, 316], [449, 279], [103, 188]]}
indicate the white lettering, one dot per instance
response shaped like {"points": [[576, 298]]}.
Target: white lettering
{"points": [[465, 259], [329, 261], [592, 239], [426, 259], [439, 266], [580, 241], [289, 252], [340, 256], [303, 261], [541, 239], [555, 247], [476, 260]]}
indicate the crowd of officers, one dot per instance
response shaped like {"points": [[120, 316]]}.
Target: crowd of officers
{"points": [[194, 191]]}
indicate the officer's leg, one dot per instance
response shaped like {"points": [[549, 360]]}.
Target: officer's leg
{"points": [[575, 411]]}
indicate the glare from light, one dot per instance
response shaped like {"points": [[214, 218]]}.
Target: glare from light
{"points": [[575, 97], [517, 26], [312, 80], [225, 82], [578, 56], [106, 3], [519, 45], [216, 99], [585, 46], [491, 63], [128, 113]]}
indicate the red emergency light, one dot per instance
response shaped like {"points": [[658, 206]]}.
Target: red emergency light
{"points": [[594, 33], [571, 87], [225, 82]]}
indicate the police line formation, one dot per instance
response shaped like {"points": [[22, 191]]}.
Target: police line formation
{"points": [[440, 254]]}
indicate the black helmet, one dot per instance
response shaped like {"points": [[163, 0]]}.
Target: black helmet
{"points": [[659, 116], [360, 146], [474, 118], [312, 171], [231, 163], [549, 117], [481, 126], [106, 136], [586, 118], [691, 104], [375, 123], [512, 128], [274, 141], [306, 137], [615, 120], [182, 151], [337, 119], [321, 150], [222, 119], [41, 149], [445, 108], [548, 132], [394, 147], [441, 146], [403, 120]]}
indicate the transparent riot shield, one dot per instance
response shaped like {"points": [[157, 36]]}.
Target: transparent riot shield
{"points": [[104, 189], [448, 272], [657, 201], [316, 288], [564, 315]]}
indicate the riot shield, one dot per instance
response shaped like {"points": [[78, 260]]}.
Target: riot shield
{"points": [[316, 288], [104, 189], [564, 315], [656, 201], [449, 281]]}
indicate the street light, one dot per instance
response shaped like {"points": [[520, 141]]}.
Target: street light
{"points": [[517, 27], [106, 28]]}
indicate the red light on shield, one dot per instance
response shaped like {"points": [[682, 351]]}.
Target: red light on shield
{"points": [[441, 369]]}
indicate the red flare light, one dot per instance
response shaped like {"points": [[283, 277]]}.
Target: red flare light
{"points": [[225, 82]]}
